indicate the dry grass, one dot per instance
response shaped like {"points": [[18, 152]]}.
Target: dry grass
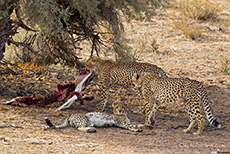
{"points": [[190, 30], [225, 66], [199, 9], [223, 26], [202, 60]]}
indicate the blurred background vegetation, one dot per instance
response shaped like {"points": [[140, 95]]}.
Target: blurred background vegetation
{"points": [[51, 31]]}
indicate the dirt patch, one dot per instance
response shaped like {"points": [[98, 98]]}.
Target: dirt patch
{"points": [[200, 59], [165, 137]]}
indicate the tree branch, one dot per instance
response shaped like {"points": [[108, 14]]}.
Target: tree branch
{"points": [[22, 44]]}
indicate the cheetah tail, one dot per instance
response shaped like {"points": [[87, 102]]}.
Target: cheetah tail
{"points": [[207, 109], [49, 123]]}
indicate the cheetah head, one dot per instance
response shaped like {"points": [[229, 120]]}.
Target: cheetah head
{"points": [[92, 63], [137, 81], [120, 108]]}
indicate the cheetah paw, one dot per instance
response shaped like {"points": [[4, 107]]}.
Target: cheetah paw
{"points": [[139, 130], [196, 133], [91, 130], [186, 130]]}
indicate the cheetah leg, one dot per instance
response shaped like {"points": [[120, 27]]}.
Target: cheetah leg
{"points": [[198, 115], [142, 109], [104, 95], [191, 125], [195, 116], [130, 127], [150, 115], [87, 129], [192, 119], [133, 128], [201, 123]]}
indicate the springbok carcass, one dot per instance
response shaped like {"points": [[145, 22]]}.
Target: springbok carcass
{"points": [[72, 91]]}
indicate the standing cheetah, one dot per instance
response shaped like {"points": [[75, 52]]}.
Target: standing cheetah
{"points": [[111, 73], [174, 91]]}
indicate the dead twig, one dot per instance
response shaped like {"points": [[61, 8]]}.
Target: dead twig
{"points": [[4, 126], [41, 142], [9, 125], [218, 151]]}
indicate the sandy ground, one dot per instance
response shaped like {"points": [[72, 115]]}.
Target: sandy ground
{"points": [[200, 59]]}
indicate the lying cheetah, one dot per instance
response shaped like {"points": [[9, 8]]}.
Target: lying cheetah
{"points": [[88, 121], [111, 73], [174, 91]]}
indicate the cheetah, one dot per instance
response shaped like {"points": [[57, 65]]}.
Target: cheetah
{"points": [[87, 122], [184, 92], [110, 74]]}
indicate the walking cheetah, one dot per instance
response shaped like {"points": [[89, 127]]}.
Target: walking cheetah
{"points": [[111, 73], [88, 121], [174, 91]]}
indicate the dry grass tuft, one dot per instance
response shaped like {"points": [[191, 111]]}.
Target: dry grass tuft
{"points": [[199, 9], [225, 66], [154, 45], [145, 45], [191, 31]]}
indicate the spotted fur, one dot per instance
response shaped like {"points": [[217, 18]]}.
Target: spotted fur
{"points": [[87, 122], [111, 73], [174, 91]]}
